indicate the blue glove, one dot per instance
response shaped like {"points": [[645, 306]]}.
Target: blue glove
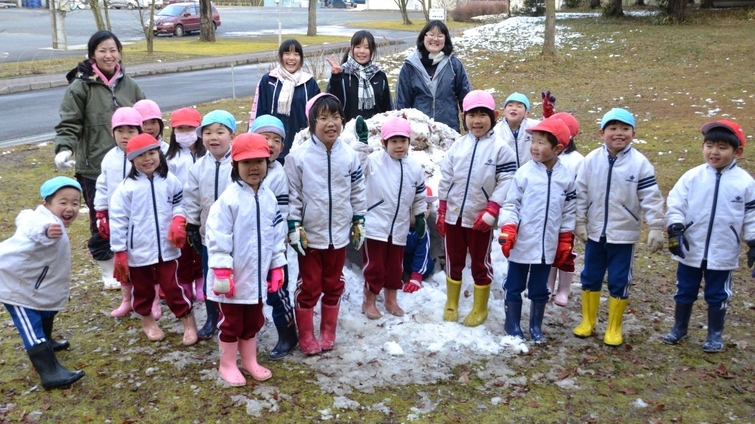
{"points": [[677, 243]]}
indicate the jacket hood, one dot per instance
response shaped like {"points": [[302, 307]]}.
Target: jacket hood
{"points": [[83, 71]]}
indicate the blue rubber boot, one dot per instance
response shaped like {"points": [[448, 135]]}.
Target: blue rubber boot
{"points": [[537, 312], [513, 316], [715, 341], [682, 312]]}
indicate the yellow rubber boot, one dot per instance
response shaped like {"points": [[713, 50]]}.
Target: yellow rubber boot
{"points": [[590, 304], [453, 288], [480, 307], [616, 308]]}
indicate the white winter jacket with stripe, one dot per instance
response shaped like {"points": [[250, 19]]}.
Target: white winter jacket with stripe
{"points": [[276, 181], [326, 190], [180, 163], [718, 208], [207, 180], [113, 169], [519, 144], [245, 232], [542, 203], [613, 194], [474, 172], [141, 212]]}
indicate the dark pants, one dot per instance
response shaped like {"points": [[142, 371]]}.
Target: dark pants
{"points": [[617, 259], [516, 282], [98, 246], [283, 313], [458, 240], [320, 274], [29, 324], [717, 291], [239, 321], [383, 265], [144, 279]]}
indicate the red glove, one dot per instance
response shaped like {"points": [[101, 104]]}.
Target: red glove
{"points": [[487, 218], [564, 249], [223, 282], [549, 103], [120, 269], [275, 281], [414, 283], [440, 221], [507, 238], [103, 226], [177, 233]]}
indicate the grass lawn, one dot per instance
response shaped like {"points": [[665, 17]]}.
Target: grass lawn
{"points": [[673, 78]]}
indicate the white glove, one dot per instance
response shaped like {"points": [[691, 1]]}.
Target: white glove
{"points": [[655, 240], [581, 232], [62, 162]]}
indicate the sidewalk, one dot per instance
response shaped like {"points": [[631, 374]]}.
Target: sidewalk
{"points": [[41, 82]]}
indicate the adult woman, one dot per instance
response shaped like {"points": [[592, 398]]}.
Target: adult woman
{"points": [[97, 87], [284, 92], [432, 79]]}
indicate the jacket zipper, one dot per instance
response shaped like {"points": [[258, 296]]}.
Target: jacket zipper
{"points": [[736, 236], [330, 203], [259, 249], [400, 189], [41, 277], [125, 158], [712, 216], [375, 205], [217, 177], [630, 212], [157, 221], [469, 174], [611, 161], [547, 209]]}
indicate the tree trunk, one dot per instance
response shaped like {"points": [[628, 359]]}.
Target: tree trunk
{"points": [[206, 30], [94, 5], [402, 5], [614, 9], [676, 9], [148, 33], [312, 18], [549, 42], [594, 4]]}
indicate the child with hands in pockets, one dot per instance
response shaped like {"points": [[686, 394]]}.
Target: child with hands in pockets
{"points": [[709, 208], [475, 176], [35, 276], [245, 235], [538, 220], [207, 180], [617, 188], [325, 176], [395, 185], [147, 230]]}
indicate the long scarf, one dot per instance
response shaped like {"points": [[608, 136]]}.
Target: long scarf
{"points": [[105, 79], [364, 74], [290, 81]]}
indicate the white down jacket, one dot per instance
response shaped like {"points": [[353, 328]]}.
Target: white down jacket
{"points": [[207, 180], [718, 208]]}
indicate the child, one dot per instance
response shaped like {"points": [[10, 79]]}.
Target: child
{"points": [[325, 176], [572, 160], [147, 229], [513, 126], [272, 129], [708, 209], [542, 199], [35, 276], [184, 149], [395, 185], [610, 200], [152, 118], [470, 202], [360, 85], [418, 262], [207, 180], [284, 92], [245, 237]]}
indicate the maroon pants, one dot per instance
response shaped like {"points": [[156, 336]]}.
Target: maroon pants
{"points": [[383, 265], [320, 274], [144, 279], [239, 321], [189, 265], [458, 240]]}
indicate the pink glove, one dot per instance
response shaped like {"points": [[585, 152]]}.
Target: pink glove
{"points": [[120, 270], [440, 222], [414, 284], [103, 226], [177, 233], [223, 282], [549, 103], [487, 218], [275, 281]]}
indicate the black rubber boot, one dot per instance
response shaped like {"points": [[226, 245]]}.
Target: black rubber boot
{"points": [[211, 325], [537, 312], [53, 375], [287, 341], [682, 312], [715, 341], [56, 345], [513, 316]]}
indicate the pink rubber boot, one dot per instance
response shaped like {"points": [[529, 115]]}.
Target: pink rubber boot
{"points": [[228, 369], [552, 281], [153, 332], [157, 312], [248, 350], [305, 324], [328, 325], [199, 288], [125, 308]]}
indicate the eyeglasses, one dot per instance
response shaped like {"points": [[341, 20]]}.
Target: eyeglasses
{"points": [[435, 36], [336, 119]]}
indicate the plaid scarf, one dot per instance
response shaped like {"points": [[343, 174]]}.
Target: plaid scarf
{"points": [[289, 82], [364, 73]]}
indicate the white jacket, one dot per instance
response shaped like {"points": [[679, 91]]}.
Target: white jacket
{"points": [[276, 181], [35, 270], [113, 169], [572, 161], [474, 172], [521, 144], [612, 199], [207, 180], [180, 163], [395, 192], [326, 190], [719, 208], [543, 206], [245, 232], [141, 212]]}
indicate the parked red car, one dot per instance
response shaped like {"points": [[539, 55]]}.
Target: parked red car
{"points": [[181, 18]]}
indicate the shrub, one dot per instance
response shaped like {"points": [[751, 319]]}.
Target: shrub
{"points": [[469, 10], [573, 4]]}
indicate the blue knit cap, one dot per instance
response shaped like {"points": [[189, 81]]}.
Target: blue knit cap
{"points": [[268, 123], [52, 185], [617, 114], [518, 97], [217, 117]]}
